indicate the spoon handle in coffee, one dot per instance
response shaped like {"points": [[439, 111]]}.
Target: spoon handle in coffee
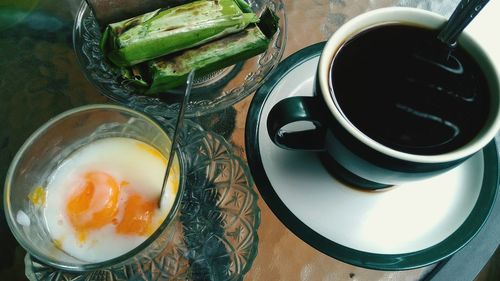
{"points": [[461, 17]]}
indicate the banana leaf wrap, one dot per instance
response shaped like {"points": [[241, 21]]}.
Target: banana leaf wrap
{"points": [[168, 72], [162, 32], [109, 11]]}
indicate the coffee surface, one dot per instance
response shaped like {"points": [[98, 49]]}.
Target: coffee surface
{"points": [[401, 87]]}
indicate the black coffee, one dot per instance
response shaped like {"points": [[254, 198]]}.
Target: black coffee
{"points": [[402, 88]]}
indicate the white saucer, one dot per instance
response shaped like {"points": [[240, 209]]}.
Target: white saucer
{"points": [[404, 227]]}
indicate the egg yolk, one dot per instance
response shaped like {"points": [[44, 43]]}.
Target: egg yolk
{"points": [[152, 151], [94, 203], [137, 217], [37, 196]]}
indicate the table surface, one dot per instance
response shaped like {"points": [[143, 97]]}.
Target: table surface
{"points": [[40, 77]]}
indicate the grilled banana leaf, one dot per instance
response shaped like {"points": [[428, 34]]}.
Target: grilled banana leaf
{"points": [[162, 32], [171, 71], [109, 11]]}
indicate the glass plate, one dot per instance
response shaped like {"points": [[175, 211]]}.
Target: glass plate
{"points": [[215, 236], [211, 92]]}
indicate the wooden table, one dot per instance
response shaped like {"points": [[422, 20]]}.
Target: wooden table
{"points": [[39, 78]]}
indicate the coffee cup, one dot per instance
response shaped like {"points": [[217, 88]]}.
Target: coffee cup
{"points": [[391, 103]]}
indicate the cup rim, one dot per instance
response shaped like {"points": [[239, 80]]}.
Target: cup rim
{"points": [[90, 266], [414, 16]]}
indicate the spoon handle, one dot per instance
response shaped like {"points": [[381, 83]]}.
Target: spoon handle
{"points": [[178, 127], [461, 17]]}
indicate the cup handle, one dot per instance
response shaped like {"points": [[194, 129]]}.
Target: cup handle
{"points": [[292, 110]]}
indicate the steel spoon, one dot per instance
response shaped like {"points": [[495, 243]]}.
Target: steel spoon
{"points": [[464, 13], [178, 127]]}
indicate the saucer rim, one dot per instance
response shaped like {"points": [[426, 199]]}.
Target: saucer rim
{"points": [[401, 261]]}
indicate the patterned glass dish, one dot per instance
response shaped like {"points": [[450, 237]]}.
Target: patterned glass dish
{"points": [[211, 92], [215, 234]]}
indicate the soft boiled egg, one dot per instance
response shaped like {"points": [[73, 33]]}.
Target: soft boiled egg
{"points": [[102, 201]]}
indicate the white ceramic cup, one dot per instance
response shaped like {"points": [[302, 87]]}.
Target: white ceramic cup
{"points": [[349, 152]]}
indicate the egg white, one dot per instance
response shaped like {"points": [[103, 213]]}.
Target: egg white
{"points": [[124, 160]]}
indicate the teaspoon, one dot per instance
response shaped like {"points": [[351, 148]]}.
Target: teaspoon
{"points": [[178, 126]]}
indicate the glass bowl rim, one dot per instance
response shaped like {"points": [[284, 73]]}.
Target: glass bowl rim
{"points": [[229, 101], [43, 258]]}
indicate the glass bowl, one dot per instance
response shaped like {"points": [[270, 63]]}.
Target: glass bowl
{"points": [[211, 92], [47, 149], [215, 233]]}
